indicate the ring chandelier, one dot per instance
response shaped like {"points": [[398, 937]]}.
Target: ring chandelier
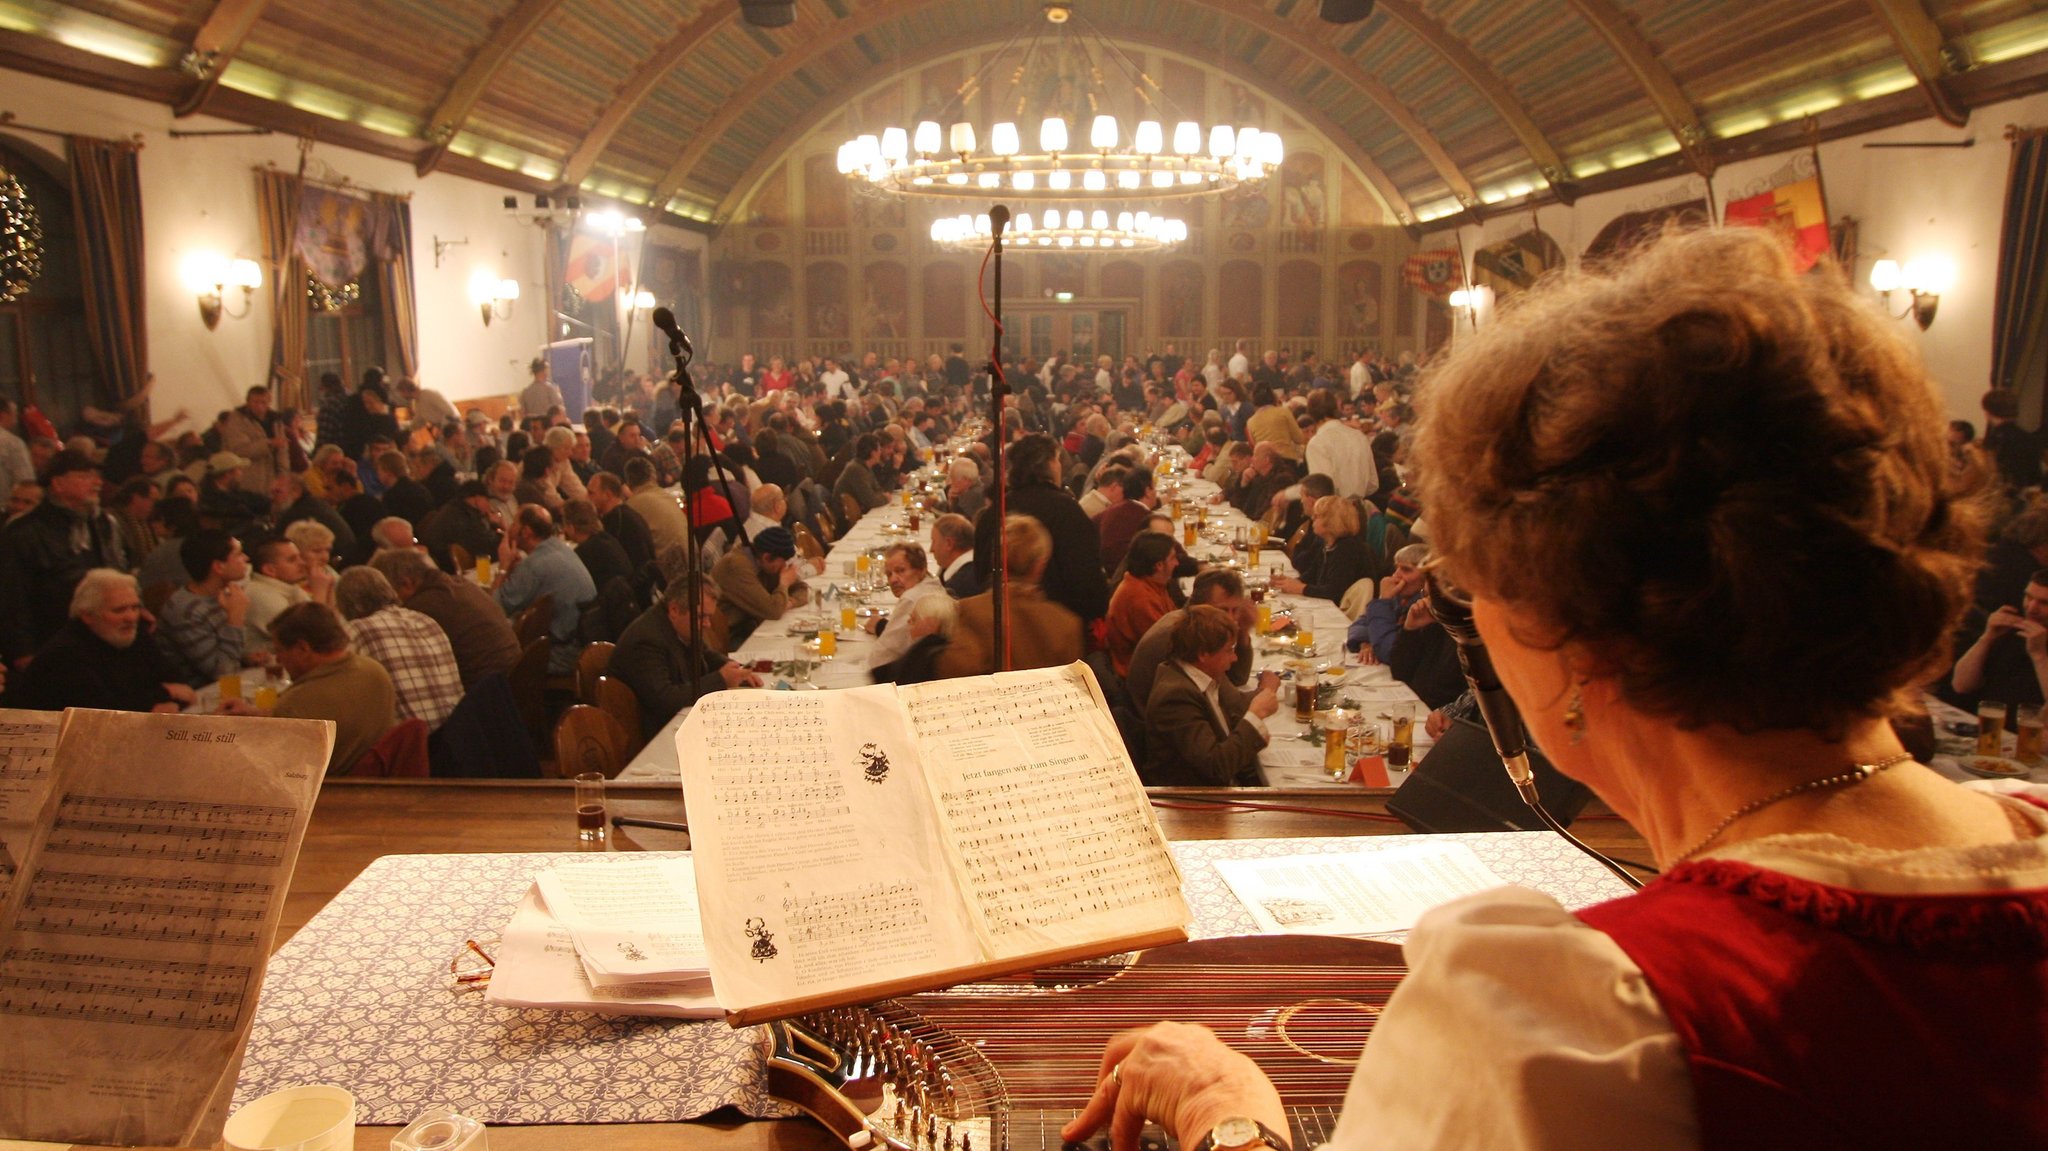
{"points": [[964, 161], [1069, 230]]}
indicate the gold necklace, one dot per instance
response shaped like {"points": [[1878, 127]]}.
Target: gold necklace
{"points": [[1855, 775]]}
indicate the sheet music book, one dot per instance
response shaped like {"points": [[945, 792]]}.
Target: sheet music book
{"points": [[852, 845], [154, 854]]}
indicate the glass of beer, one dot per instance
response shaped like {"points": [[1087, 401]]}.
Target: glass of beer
{"points": [[1201, 515], [1265, 617], [1251, 552], [1336, 744], [1401, 744], [1305, 639], [846, 609], [266, 698], [1188, 533], [1304, 696], [1991, 728], [483, 570], [2027, 726], [828, 643], [590, 807], [862, 565], [231, 686]]}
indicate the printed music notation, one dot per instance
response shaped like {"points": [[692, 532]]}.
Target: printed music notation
{"points": [[124, 827], [948, 707], [816, 918]]}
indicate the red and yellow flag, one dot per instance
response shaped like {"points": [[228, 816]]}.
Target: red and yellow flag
{"points": [[1795, 210]]}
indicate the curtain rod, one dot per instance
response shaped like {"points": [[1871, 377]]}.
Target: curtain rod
{"points": [[342, 185], [8, 121]]}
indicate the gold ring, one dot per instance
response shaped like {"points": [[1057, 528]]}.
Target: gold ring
{"points": [[1116, 1075]]}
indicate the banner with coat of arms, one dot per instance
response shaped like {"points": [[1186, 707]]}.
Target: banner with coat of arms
{"points": [[596, 267], [1794, 210], [1516, 263], [1434, 273]]}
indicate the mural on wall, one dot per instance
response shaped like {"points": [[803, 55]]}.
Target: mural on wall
{"points": [[1180, 298], [771, 309], [1301, 299], [1241, 298], [885, 291], [945, 301], [825, 297], [1358, 300], [1359, 208], [1302, 209], [770, 205], [825, 193], [1247, 206]]}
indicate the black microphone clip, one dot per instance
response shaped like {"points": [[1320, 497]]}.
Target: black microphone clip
{"points": [[1453, 609]]}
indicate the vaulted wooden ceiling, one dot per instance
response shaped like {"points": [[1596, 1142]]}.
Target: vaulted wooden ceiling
{"points": [[1457, 107]]}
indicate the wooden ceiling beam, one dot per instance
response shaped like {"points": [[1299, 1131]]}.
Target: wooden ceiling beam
{"points": [[640, 85], [841, 97], [213, 48], [493, 54], [1640, 57], [1489, 85], [1932, 60]]}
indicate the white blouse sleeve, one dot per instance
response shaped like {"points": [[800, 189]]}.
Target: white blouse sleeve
{"points": [[1518, 1027]]}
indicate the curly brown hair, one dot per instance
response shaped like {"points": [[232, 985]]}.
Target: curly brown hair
{"points": [[1726, 481]]}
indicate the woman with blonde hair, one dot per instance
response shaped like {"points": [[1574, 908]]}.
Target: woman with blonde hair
{"points": [[1704, 510]]}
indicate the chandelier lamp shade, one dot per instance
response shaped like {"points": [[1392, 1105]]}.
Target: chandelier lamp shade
{"points": [[1069, 230], [1052, 140]]}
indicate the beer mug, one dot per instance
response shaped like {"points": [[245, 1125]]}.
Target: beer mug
{"points": [[483, 570], [828, 643]]}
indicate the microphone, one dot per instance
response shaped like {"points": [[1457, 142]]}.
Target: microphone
{"points": [[998, 218], [678, 343], [1453, 609]]}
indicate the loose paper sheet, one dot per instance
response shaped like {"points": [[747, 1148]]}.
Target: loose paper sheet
{"points": [[28, 747], [1363, 893], [134, 943], [538, 967], [632, 920]]}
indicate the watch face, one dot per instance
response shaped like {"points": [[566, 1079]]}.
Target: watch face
{"points": [[1234, 1132]]}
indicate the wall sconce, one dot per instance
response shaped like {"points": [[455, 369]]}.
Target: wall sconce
{"points": [[1471, 301], [210, 275], [1925, 279], [494, 297], [643, 301]]}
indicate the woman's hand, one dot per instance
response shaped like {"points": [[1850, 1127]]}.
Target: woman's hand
{"points": [[1179, 1075]]}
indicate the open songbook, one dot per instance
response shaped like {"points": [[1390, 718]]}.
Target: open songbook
{"points": [[853, 845]]}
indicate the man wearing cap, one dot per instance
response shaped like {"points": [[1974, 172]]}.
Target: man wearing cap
{"points": [[758, 584], [49, 549], [222, 501]]}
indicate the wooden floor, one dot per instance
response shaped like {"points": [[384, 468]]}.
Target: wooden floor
{"points": [[357, 821]]}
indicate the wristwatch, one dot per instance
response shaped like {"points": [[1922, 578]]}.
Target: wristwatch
{"points": [[1238, 1132]]}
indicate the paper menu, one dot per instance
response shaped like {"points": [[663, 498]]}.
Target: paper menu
{"points": [[136, 935], [1356, 893], [879, 839], [633, 920]]}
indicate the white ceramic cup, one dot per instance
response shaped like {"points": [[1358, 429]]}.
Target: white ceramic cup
{"points": [[320, 1117]]}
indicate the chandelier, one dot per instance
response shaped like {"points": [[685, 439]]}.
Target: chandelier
{"points": [[1128, 232], [1060, 87]]}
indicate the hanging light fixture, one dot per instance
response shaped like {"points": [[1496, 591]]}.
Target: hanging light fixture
{"points": [[21, 239], [1161, 154], [1068, 230]]}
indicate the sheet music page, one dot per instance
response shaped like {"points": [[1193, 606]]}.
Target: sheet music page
{"points": [[819, 865], [132, 954], [633, 920], [1041, 812], [538, 967], [28, 746], [1362, 893]]}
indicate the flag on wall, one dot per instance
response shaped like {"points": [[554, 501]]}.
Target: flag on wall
{"points": [[1796, 210], [1517, 262], [590, 272], [1434, 273]]}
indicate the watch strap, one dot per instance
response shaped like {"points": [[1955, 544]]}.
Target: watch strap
{"points": [[1265, 1134]]}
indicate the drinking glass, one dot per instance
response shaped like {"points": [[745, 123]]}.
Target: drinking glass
{"points": [[1304, 696], [1336, 743], [1991, 728], [828, 643], [231, 686], [483, 570], [1401, 743], [2027, 747], [590, 807]]}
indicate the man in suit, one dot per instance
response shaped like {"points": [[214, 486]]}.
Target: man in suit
{"points": [[858, 478], [1041, 633], [953, 555], [1202, 731], [653, 657]]}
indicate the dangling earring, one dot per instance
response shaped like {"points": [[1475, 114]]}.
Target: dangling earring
{"points": [[1575, 714]]}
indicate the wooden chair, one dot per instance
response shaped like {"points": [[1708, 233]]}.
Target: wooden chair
{"points": [[852, 508], [460, 557], [828, 524], [1300, 534], [589, 666], [807, 544], [586, 739], [536, 621], [529, 680], [618, 701]]}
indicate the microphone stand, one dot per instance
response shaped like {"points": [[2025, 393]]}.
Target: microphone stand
{"points": [[690, 409], [998, 389]]}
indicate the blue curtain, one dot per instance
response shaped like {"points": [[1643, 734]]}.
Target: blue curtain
{"points": [[2020, 313]]}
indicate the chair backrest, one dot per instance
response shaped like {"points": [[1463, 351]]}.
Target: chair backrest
{"points": [[589, 666], [460, 557], [155, 595], [536, 621], [617, 700], [587, 739], [400, 753], [828, 524], [485, 737], [1300, 534], [852, 508], [807, 544]]}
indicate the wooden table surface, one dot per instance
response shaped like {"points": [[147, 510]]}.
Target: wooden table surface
{"points": [[357, 821]]}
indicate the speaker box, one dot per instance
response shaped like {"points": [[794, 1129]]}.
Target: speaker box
{"points": [[1462, 786], [1346, 11]]}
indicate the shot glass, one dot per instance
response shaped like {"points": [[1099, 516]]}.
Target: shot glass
{"points": [[590, 823]]}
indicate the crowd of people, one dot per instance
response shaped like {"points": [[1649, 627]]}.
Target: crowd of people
{"points": [[160, 564]]}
